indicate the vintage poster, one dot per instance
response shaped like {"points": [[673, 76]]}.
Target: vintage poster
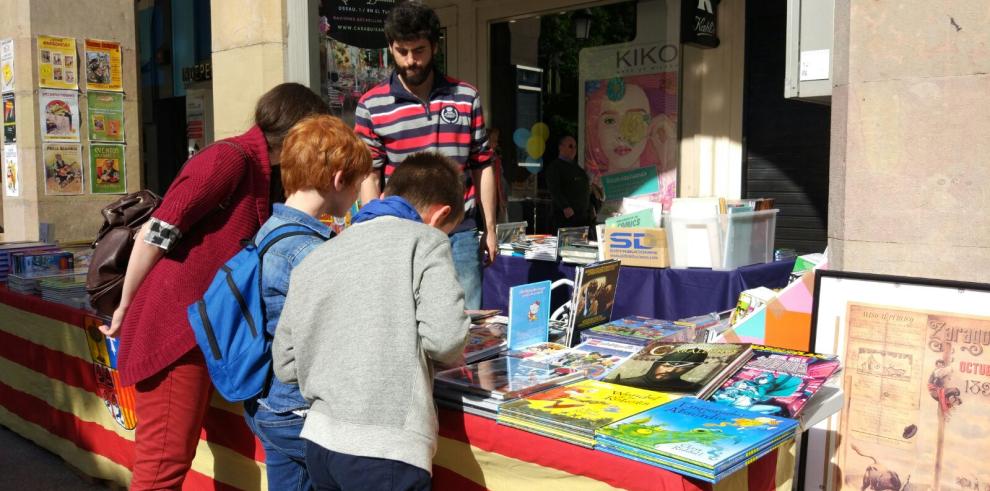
{"points": [[63, 168], [106, 169], [106, 116], [917, 393], [9, 119], [59, 110], [628, 101], [11, 171], [103, 68], [57, 63], [6, 65]]}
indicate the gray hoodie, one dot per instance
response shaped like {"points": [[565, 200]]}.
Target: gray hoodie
{"points": [[364, 314]]}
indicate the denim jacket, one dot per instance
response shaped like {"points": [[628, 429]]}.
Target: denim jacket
{"points": [[277, 264]]}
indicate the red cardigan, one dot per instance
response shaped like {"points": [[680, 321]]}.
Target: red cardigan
{"points": [[156, 332]]}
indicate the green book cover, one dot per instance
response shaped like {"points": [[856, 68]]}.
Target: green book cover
{"points": [[642, 218]]}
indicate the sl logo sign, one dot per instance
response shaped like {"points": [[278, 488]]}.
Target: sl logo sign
{"points": [[631, 240]]}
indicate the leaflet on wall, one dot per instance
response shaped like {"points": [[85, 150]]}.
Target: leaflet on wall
{"points": [[7, 65], [11, 171], [106, 169], [106, 116], [59, 110], [9, 119], [57, 62], [63, 168], [103, 65]]}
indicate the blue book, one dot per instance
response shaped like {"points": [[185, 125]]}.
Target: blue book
{"points": [[529, 314], [702, 433]]}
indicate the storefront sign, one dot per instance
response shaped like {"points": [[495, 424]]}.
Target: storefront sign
{"points": [[199, 72], [358, 23], [698, 23], [57, 62]]}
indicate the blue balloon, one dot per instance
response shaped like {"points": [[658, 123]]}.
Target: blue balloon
{"points": [[520, 137]]}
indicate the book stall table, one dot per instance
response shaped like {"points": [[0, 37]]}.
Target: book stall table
{"points": [[659, 293]]}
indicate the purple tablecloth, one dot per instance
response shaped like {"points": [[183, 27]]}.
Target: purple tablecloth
{"points": [[659, 293]]}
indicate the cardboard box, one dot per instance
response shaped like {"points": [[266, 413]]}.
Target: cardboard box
{"points": [[644, 247]]}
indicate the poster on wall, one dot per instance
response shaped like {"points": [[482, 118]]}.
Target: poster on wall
{"points": [[106, 116], [11, 172], [629, 96], [63, 168], [59, 110], [6, 65], [106, 169], [57, 63], [9, 119], [103, 67]]}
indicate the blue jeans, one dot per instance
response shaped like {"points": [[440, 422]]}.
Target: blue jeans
{"points": [[285, 452], [333, 471], [467, 262]]}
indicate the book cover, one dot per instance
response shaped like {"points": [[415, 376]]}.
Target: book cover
{"points": [[685, 368], [529, 314], [585, 405], [35, 262], [538, 351], [507, 377], [641, 331], [594, 295], [641, 218], [777, 381], [567, 236], [699, 432], [595, 358], [484, 339]]}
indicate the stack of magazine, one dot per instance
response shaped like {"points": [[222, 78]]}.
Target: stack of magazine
{"points": [[8, 249], [486, 338], [573, 246], [595, 358], [573, 412], [641, 331], [539, 249], [691, 369], [480, 388], [68, 288], [695, 438]]}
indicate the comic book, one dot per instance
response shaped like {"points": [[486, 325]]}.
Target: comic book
{"points": [[595, 358], [639, 330], [484, 340], [777, 381], [594, 295], [507, 377], [699, 433], [538, 351], [694, 369]]}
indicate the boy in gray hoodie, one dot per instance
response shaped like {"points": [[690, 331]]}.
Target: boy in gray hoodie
{"points": [[365, 315]]}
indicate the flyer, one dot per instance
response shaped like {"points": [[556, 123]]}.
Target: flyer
{"points": [[59, 110], [106, 116], [57, 62], [106, 169], [63, 168], [6, 65], [103, 67], [11, 181], [9, 119]]}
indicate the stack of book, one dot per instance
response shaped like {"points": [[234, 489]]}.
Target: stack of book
{"points": [[540, 249], [538, 351], [591, 304], [66, 289], [579, 252], [480, 388], [690, 369], [573, 412], [6, 250], [39, 261], [696, 438], [486, 338], [594, 358], [640, 331]]}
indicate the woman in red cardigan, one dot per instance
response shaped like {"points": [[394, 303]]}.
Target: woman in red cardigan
{"points": [[220, 197]]}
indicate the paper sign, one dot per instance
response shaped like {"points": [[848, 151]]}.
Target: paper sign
{"points": [[57, 62], [9, 119], [7, 65], [636, 182], [11, 171], [103, 67], [814, 65], [59, 115], [63, 168], [106, 116], [106, 169]]}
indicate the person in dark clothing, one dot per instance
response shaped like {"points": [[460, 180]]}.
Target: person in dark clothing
{"points": [[569, 187]]}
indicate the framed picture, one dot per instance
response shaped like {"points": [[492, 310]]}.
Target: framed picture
{"points": [[916, 378]]}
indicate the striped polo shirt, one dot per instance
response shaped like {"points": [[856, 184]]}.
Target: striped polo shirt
{"points": [[395, 124]]}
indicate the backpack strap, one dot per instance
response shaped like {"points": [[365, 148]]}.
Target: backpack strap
{"points": [[273, 236]]}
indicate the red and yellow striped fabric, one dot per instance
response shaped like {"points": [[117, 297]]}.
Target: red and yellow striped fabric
{"points": [[49, 394]]}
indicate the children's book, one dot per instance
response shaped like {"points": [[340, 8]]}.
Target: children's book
{"points": [[701, 433], [694, 369], [529, 314], [595, 358], [507, 377], [777, 381], [594, 295], [641, 331]]}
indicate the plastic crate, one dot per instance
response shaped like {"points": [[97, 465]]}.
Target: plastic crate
{"points": [[721, 241]]}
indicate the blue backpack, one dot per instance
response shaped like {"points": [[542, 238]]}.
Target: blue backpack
{"points": [[229, 322]]}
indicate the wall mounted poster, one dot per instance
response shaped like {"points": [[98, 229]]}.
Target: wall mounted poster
{"points": [[57, 63], [11, 172], [103, 67], [9, 119], [63, 168], [59, 111], [106, 116], [7, 65], [106, 169]]}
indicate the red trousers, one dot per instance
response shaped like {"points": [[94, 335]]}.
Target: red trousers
{"points": [[170, 409]]}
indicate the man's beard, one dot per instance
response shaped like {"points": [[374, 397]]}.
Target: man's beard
{"points": [[415, 78]]}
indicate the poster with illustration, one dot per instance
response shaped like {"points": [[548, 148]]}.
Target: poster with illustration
{"points": [[103, 68], [106, 169], [57, 62], [59, 110], [9, 119], [6, 65], [11, 173], [628, 110], [63, 168], [106, 116]]}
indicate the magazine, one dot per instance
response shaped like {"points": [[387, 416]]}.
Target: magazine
{"points": [[507, 377], [641, 331], [595, 358], [695, 369]]}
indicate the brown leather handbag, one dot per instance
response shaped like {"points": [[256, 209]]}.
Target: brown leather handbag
{"points": [[112, 247]]}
